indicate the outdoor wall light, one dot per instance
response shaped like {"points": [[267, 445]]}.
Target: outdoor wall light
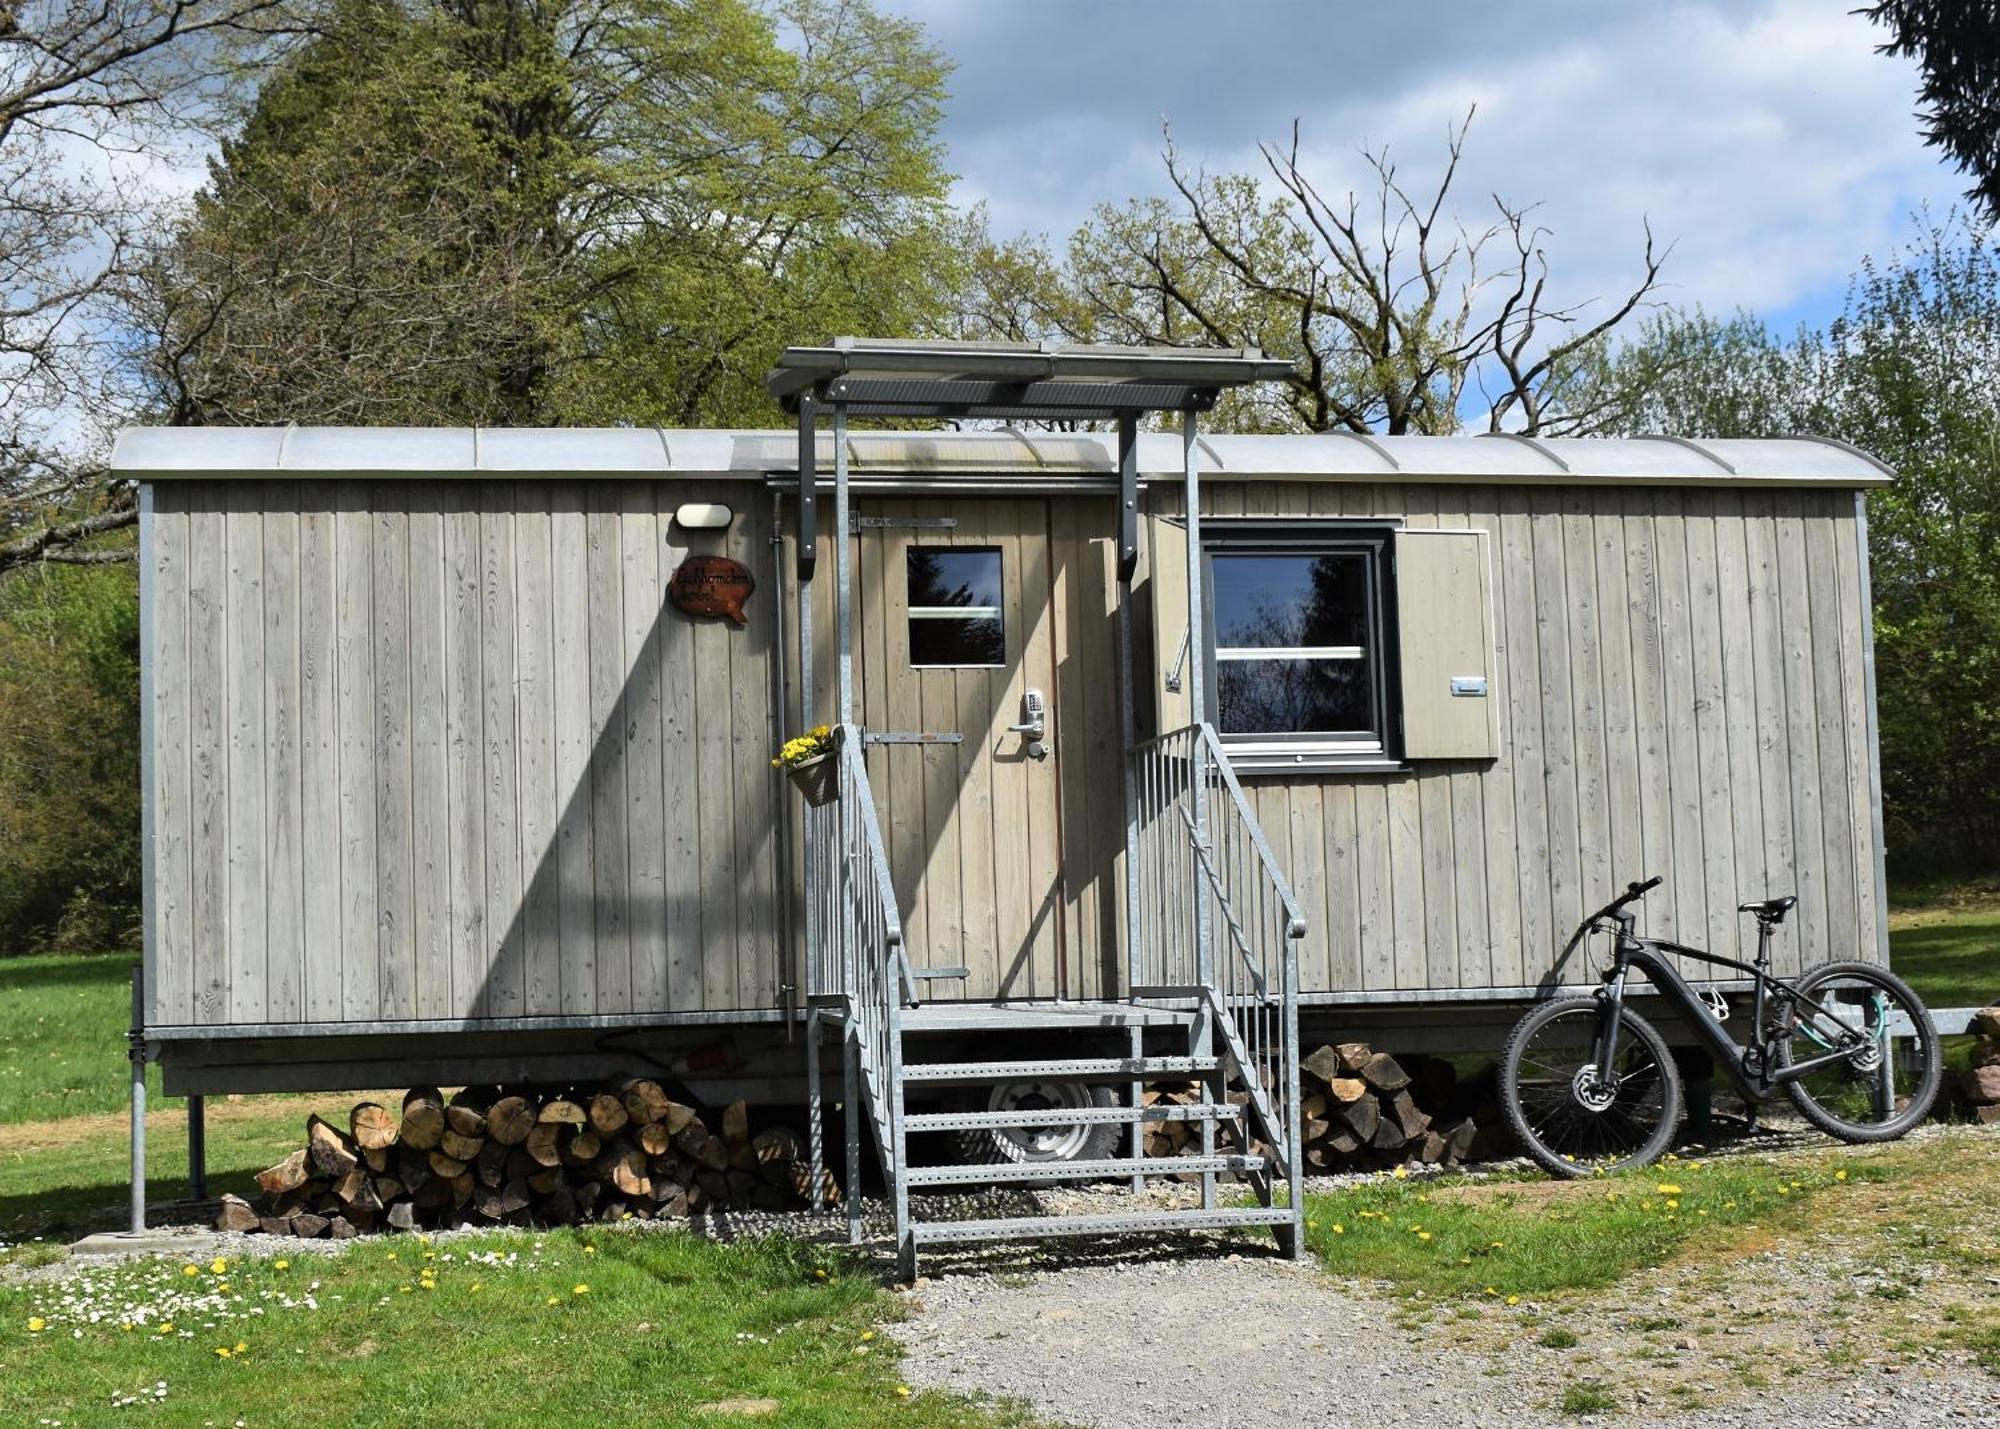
{"points": [[702, 515]]}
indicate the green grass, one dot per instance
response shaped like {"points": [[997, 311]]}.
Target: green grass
{"points": [[1518, 1240], [645, 1326], [69, 1177], [1950, 955], [62, 1035], [1587, 1399]]}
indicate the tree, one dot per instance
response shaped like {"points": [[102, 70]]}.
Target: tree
{"points": [[555, 212], [81, 83], [1956, 44], [1380, 300]]}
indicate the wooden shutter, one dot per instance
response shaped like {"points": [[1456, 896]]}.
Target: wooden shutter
{"points": [[1444, 630]]}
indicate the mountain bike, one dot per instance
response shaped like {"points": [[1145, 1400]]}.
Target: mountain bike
{"points": [[1589, 1085]]}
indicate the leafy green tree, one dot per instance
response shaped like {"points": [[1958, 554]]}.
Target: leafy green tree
{"points": [[556, 211]]}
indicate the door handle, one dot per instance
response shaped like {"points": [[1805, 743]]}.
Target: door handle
{"points": [[1034, 724]]}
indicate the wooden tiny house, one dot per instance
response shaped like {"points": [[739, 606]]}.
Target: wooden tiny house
{"points": [[448, 778]]}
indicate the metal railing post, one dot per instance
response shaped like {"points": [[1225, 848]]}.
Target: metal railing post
{"points": [[136, 1050], [1136, 935]]}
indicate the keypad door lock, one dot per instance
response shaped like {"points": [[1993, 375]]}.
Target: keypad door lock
{"points": [[1034, 724]]}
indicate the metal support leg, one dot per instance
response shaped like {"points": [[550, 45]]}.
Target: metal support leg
{"points": [[136, 1050], [815, 1113], [1202, 1044], [1137, 1047], [852, 1112], [197, 1148]]}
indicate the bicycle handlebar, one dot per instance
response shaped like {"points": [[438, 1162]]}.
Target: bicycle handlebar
{"points": [[1632, 894]]}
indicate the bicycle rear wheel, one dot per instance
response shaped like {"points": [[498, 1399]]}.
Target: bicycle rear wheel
{"points": [[1875, 1090], [1571, 1119]]}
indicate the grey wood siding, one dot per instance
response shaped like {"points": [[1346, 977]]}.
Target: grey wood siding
{"points": [[1681, 687], [442, 750]]}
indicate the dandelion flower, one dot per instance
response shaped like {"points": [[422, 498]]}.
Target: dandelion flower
{"points": [[222, 1352], [1339, 1229], [866, 1336], [1490, 1290], [241, 1347], [392, 1255], [1513, 1299], [554, 1300], [819, 1275], [581, 1289], [36, 1324], [218, 1265], [590, 1250], [1312, 1225], [1666, 1188], [1499, 1244], [1423, 1235], [190, 1270], [475, 1287], [166, 1327], [404, 1289], [902, 1391], [1673, 1205], [1840, 1175], [281, 1265], [1401, 1173]]}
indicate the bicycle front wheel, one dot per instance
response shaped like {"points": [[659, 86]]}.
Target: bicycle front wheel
{"points": [[1573, 1117], [1878, 1059]]}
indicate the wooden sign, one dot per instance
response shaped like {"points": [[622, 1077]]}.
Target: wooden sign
{"points": [[712, 585]]}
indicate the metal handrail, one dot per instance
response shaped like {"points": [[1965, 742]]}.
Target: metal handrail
{"points": [[1201, 858]]}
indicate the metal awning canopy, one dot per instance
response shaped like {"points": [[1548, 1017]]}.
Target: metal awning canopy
{"points": [[871, 377]]}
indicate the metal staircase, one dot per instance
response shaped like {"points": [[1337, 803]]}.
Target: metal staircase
{"points": [[1213, 1000]]}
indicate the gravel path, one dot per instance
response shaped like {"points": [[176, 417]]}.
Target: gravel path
{"points": [[1252, 1342]]}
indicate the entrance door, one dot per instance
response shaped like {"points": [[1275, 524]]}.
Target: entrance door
{"points": [[954, 634]]}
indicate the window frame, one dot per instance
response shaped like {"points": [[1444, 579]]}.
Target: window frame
{"points": [[995, 613], [1290, 751]]}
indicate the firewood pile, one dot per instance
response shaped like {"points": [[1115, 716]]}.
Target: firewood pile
{"points": [[488, 1156], [1980, 1083], [1358, 1109]]}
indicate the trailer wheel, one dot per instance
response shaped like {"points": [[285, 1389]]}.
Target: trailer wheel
{"points": [[1030, 1145]]}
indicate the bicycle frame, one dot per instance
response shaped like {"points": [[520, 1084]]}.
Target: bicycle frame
{"points": [[1750, 1066]]}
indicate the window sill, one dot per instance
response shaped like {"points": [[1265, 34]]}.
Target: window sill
{"points": [[1263, 763]]}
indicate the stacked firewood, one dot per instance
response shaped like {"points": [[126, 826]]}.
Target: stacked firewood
{"points": [[487, 1156], [1358, 1108]]}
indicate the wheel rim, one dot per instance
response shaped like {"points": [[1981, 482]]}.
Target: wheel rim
{"points": [[1042, 1143], [1577, 1114], [1871, 1084]]}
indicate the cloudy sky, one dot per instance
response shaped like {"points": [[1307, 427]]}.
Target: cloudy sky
{"points": [[1766, 138]]}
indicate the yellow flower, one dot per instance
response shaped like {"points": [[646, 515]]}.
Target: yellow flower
{"points": [[1513, 1299], [1339, 1229], [241, 1347], [36, 1324], [1499, 1244], [1673, 1205], [125, 1325], [1610, 1195], [866, 1336], [1423, 1235], [1400, 1173], [222, 1352], [819, 1275], [190, 1270], [281, 1265], [392, 1255], [581, 1289], [166, 1327], [404, 1289], [222, 1285], [218, 1265], [590, 1250], [1840, 1175], [554, 1300], [475, 1287], [1491, 1291], [1668, 1189], [902, 1391]]}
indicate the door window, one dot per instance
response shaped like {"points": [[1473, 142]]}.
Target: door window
{"points": [[955, 607]]}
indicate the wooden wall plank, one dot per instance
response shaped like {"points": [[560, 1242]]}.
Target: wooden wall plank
{"points": [[286, 865], [1808, 926], [1739, 709], [1646, 635], [1532, 947], [1626, 859], [430, 794], [506, 975], [1681, 907], [354, 717], [172, 999], [674, 645], [1839, 773], [576, 737], [535, 739], [243, 761], [1473, 958], [608, 668], [756, 784], [395, 858], [320, 749], [1711, 697], [1560, 781], [1780, 866], [642, 723], [1859, 806], [715, 788], [1595, 877], [465, 748]]}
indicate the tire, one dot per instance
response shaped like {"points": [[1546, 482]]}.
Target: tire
{"points": [[1831, 1099], [1541, 1093], [1093, 1141]]}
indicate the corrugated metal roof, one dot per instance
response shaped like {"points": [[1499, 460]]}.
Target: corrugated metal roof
{"points": [[161, 453]]}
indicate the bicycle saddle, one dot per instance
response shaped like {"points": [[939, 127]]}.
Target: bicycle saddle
{"points": [[1770, 910]]}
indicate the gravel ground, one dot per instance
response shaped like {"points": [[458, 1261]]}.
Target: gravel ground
{"points": [[1251, 1342]]}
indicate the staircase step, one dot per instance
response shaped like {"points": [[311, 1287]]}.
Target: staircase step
{"points": [[1070, 1069], [1067, 1116], [925, 974], [1036, 1227], [1010, 1173]]}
